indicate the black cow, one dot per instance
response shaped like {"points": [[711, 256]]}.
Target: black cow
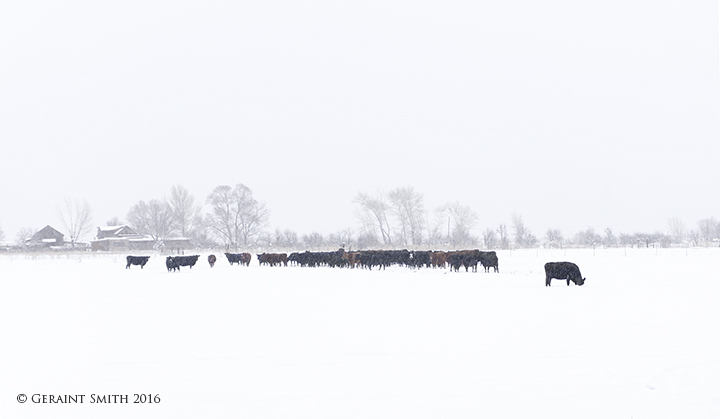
{"points": [[233, 258], [171, 264], [137, 260], [419, 259], [175, 262], [272, 259], [489, 260], [563, 270], [465, 258], [211, 260]]}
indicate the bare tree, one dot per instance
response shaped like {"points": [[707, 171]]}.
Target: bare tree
{"points": [[185, 210], [286, 239], [610, 239], [24, 234], [587, 238], [154, 218], [709, 229], [201, 234], [314, 240], [523, 236], [290, 238], [114, 221], [553, 237], [344, 239], [626, 239], [264, 240], [223, 214], [235, 215], [407, 206], [373, 215], [76, 217], [490, 239], [461, 220], [677, 229], [504, 237], [437, 232], [694, 236], [366, 241], [2, 234], [277, 238]]}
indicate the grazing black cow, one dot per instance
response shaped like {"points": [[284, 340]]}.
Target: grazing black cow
{"points": [[211, 260], [563, 270], [137, 260], [175, 262]]}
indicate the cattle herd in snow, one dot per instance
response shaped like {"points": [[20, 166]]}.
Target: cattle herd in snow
{"points": [[378, 259]]}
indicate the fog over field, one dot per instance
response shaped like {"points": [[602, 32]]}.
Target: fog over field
{"points": [[571, 115]]}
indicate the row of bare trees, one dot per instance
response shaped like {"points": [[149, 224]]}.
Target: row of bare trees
{"points": [[235, 218], [399, 219], [707, 233], [396, 219]]}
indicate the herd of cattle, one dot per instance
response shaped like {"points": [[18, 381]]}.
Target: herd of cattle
{"points": [[369, 259], [381, 259]]}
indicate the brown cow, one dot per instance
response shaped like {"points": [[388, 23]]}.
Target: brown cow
{"points": [[211, 260], [438, 259], [351, 257], [239, 258]]}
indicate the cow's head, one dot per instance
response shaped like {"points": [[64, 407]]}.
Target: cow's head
{"points": [[580, 281]]}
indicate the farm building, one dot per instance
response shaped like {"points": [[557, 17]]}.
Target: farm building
{"points": [[123, 238], [120, 239], [45, 238]]}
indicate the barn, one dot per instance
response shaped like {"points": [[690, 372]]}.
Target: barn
{"points": [[46, 237]]}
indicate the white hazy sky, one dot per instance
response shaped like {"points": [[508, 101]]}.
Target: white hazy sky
{"points": [[572, 114]]}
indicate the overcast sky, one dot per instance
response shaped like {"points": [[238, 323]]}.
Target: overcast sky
{"points": [[572, 114]]}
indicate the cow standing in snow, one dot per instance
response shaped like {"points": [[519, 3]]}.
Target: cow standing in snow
{"points": [[136, 260], [563, 270]]}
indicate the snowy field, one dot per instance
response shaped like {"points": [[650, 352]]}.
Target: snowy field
{"points": [[641, 338]]}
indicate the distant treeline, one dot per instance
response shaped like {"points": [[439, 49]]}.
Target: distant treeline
{"points": [[231, 218]]}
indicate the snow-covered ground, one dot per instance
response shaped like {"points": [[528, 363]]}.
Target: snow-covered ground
{"points": [[641, 339]]}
